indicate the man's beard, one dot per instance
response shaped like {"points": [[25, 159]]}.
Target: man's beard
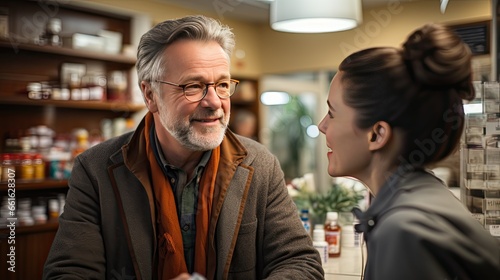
{"points": [[185, 133]]}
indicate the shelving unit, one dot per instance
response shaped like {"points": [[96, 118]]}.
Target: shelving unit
{"points": [[245, 101], [23, 62], [480, 157], [38, 185]]}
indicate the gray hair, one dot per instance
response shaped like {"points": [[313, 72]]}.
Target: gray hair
{"points": [[150, 64]]}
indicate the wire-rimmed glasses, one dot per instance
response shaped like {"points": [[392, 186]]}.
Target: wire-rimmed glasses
{"points": [[196, 91]]}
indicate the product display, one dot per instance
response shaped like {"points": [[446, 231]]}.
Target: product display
{"points": [[480, 157]]}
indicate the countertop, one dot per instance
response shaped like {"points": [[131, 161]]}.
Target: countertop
{"points": [[346, 267]]}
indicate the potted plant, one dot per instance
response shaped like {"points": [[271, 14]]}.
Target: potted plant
{"points": [[339, 198]]}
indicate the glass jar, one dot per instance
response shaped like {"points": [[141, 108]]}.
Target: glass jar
{"points": [[27, 169], [117, 86], [34, 90]]}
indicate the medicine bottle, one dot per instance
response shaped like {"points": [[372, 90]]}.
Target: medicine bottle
{"points": [[53, 209], [319, 243], [7, 167], [332, 234], [27, 169], [39, 167], [117, 86], [304, 217]]}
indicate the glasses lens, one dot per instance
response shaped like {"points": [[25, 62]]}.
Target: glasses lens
{"points": [[194, 91], [226, 89], [223, 89]]}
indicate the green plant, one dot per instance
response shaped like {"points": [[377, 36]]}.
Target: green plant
{"points": [[289, 136], [338, 198]]}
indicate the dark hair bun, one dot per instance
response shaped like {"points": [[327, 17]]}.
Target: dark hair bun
{"points": [[437, 57]]}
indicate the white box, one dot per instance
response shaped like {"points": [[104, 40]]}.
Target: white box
{"points": [[112, 41], [84, 42]]}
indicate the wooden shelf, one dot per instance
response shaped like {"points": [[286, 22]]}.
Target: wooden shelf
{"points": [[36, 185], [62, 51], [91, 105], [50, 225]]}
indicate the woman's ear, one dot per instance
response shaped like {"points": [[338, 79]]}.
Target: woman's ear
{"points": [[379, 136], [149, 97]]}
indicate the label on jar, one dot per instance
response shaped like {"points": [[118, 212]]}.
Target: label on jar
{"points": [[333, 240]]}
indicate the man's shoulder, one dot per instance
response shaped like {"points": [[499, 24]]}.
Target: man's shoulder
{"points": [[252, 145], [111, 145]]}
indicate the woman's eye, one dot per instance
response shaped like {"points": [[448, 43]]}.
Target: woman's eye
{"points": [[330, 115]]}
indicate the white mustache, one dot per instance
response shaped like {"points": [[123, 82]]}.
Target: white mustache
{"points": [[216, 115]]}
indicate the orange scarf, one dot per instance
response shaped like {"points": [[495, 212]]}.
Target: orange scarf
{"points": [[170, 248]]}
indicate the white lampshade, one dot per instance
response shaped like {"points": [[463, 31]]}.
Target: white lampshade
{"points": [[315, 16]]}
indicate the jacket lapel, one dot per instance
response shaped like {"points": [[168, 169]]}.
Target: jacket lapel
{"points": [[132, 201], [232, 185], [132, 188], [229, 218]]}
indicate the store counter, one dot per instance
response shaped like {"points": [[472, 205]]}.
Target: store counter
{"points": [[346, 267]]}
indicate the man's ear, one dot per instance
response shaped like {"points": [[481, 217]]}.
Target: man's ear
{"points": [[149, 97], [379, 136]]}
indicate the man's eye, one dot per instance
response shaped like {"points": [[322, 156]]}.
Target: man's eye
{"points": [[330, 115], [223, 85], [194, 86]]}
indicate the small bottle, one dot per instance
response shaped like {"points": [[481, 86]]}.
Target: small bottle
{"points": [[304, 217], [332, 234], [7, 167], [39, 167], [27, 168], [117, 86], [53, 209], [82, 143], [319, 243], [348, 235]]}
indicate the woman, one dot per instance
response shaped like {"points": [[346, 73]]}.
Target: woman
{"points": [[392, 112]]}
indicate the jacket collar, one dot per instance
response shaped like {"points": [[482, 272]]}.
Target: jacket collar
{"points": [[397, 183]]}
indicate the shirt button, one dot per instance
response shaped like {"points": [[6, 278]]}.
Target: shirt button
{"points": [[186, 227], [172, 180]]}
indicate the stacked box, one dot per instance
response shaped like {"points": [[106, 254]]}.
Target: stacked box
{"points": [[480, 157]]}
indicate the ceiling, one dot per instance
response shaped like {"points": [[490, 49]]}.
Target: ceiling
{"points": [[256, 11]]}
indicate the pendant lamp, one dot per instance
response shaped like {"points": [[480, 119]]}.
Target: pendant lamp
{"points": [[315, 16]]}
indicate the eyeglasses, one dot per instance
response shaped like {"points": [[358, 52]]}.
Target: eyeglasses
{"points": [[196, 91]]}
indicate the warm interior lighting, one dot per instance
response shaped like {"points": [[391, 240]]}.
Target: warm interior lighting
{"points": [[443, 5], [274, 98], [315, 16]]}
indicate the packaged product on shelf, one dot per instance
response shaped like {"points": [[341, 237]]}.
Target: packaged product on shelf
{"points": [[117, 86], [58, 164], [39, 167], [7, 166], [480, 158], [39, 213], [82, 142], [27, 168], [53, 209]]}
